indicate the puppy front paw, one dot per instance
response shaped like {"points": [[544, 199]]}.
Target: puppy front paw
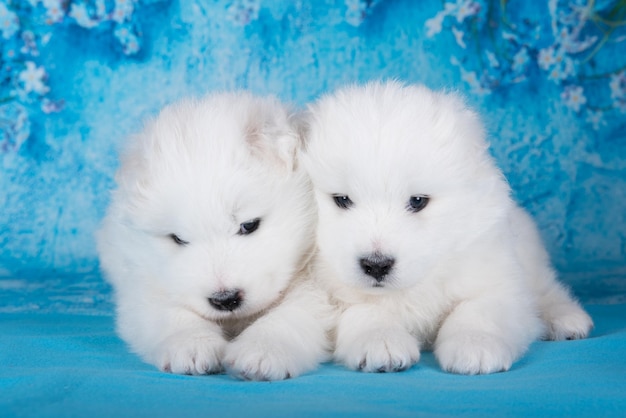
{"points": [[260, 359], [569, 322], [191, 352], [379, 351], [474, 353]]}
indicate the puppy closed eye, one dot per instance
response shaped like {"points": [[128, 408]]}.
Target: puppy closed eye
{"points": [[342, 201], [178, 240], [246, 228], [417, 203]]}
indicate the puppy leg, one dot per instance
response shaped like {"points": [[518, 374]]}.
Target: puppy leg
{"points": [[564, 318], [171, 338], [289, 340], [370, 340], [487, 334]]}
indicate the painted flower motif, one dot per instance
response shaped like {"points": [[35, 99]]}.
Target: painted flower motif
{"points": [[465, 9], [244, 11], [101, 8], [595, 119], [573, 97], [434, 25], [129, 41], [556, 74], [471, 78], [11, 50], [555, 45], [358, 10], [458, 37], [546, 58], [79, 13], [25, 79], [122, 32], [32, 78], [123, 10], [568, 37], [9, 23], [54, 11], [29, 46], [14, 126], [50, 106], [462, 9], [569, 68], [520, 60], [508, 36], [492, 59], [617, 84]]}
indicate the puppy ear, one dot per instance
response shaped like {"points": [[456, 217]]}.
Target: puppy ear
{"points": [[272, 134], [302, 124]]}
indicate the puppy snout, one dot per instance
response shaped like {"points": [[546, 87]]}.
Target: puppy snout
{"points": [[376, 265], [226, 300]]}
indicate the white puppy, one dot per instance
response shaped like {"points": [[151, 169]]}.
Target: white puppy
{"points": [[420, 243], [207, 242]]}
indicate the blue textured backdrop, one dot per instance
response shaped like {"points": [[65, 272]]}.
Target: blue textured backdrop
{"points": [[78, 76]]}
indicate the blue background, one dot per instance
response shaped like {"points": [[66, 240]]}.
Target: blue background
{"points": [[78, 77]]}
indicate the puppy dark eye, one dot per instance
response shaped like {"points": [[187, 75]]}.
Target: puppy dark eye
{"points": [[177, 239], [246, 228], [417, 203], [343, 201]]}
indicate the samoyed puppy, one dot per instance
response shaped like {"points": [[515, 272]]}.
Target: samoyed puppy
{"points": [[421, 246], [207, 242]]}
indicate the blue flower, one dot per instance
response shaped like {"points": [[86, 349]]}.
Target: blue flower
{"points": [[81, 16], [54, 11], [125, 33], [618, 85], [435, 24], [123, 10], [520, 60], [32, 78], [595, 118], [14, 126], [465, 9], [546, 58], [458, 37], [244, 11], [11, 50], [9, 23], [573, 97], [358, 10]]}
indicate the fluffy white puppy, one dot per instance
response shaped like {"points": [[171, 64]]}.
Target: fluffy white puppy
{"points": [[420, 243], [207, 242]]}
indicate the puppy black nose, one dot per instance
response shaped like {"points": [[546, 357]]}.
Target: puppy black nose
{"points": [[377, 266], [226, 300]]}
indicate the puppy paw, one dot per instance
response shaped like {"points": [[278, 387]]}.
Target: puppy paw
{"points": [[260, 359], [381, 351], [191, 352], [567, 323], [474, 353]]}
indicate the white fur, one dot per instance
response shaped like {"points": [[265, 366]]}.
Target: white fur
{"points": [[200, 170], [470, 279]]}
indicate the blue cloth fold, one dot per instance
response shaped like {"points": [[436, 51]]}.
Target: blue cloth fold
{"points": [[58, 365]]}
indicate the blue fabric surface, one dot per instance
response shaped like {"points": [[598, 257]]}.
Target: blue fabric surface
{"points": [[75, 366]]}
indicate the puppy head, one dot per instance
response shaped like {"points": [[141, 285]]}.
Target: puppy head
{"points": [[403, 181], [211, 211]]}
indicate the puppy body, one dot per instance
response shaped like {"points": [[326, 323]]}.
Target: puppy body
{"points": [[208, 240], [420, 243]]}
